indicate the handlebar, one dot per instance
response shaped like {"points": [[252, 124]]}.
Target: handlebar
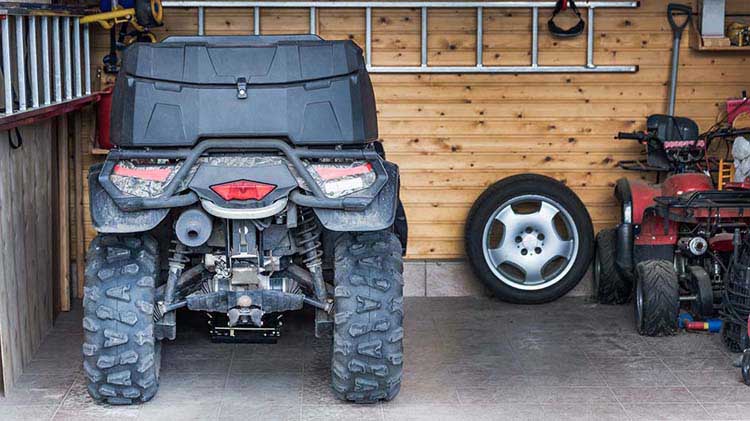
{"points": [[639, 136], [676, 9]]}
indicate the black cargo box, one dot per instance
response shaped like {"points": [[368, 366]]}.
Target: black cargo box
{"points": [[184, 89]]}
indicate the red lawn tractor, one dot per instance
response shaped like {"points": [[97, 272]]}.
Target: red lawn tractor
{"points": [[677, 237]]}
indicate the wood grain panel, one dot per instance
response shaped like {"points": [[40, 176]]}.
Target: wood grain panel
{"points": [[26, 263], [454, 135]]}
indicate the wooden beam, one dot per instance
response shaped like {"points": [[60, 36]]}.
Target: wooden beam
{"points": [[80, 235], [63, 226]]}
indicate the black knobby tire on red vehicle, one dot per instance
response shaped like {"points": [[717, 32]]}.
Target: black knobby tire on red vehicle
{"points": [[121, 357], [368, 332], [657, 298], [529, 239], [609, 286]]}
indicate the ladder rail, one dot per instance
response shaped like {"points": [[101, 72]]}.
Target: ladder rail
{"points": [[424, 7], [43, 65]]}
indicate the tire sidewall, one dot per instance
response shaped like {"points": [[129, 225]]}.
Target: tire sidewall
{"points": [[499, 194]]}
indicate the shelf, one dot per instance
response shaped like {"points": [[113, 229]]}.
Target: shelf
{"points": [[99, 151], [697, 43]]}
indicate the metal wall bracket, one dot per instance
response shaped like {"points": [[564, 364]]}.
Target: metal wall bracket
{"points": [[425, 6]]}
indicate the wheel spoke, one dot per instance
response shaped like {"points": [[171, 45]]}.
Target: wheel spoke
{"points": [[499, 255], [559, 248], [547, 213], [533, 273], [509, 218]]}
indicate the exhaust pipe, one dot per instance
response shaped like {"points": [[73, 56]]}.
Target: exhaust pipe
{"points": [[193, 227]]}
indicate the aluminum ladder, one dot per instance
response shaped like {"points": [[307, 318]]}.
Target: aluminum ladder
{"points": [[425, 6]]}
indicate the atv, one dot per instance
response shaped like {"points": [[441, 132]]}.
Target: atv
{"points": [[677, 237], [246, 181]]}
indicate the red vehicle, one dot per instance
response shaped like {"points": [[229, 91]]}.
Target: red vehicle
{"points": [[677, 237]]}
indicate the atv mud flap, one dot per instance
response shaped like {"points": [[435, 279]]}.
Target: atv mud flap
{"points": [[378, 215], [108, 218]]}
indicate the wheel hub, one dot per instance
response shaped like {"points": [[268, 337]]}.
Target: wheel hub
{"points": [[530, 242]]}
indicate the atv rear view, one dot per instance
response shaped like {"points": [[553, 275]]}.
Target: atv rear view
{"points": [[246, 182]]}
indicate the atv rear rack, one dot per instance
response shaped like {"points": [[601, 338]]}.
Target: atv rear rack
{"points": [[171, 197], [706, 203], [711, 199]]}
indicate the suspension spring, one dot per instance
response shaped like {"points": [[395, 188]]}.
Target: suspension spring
{"points": [[177, 261], [308, 240], [177, 258]]}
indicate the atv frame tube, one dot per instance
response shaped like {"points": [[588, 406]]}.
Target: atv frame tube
{"points": [[328, 209]]}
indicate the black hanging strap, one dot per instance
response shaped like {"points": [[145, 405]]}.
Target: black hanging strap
{"points": [[573, 31]]}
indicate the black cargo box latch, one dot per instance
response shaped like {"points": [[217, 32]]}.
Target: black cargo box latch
{"points": [[241, 88]]}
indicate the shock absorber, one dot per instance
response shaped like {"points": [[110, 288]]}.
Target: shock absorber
{"points": [[177, 261], [163, 317], [308, 241]]}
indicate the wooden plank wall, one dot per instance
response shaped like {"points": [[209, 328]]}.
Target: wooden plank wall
{"points": [[453, 135], [26, 247]]}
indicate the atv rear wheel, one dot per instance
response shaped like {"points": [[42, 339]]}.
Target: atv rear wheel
{"points": [[121, 357], [368, 322], [657, 298], [609, 286]]}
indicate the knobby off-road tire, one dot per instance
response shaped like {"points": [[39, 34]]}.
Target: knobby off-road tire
{"points": [[610, 287], [368, 322], [121, 358], [657, 299]]}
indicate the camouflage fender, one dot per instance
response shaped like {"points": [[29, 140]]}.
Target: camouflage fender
{"points": [[108, 218]]}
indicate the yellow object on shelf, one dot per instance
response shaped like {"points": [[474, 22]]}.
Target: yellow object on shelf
{"points": [[726, 173], [108, 19]]}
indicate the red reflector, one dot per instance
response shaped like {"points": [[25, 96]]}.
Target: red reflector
{"points": [[243, 190], [330, 173], [150, 174]]}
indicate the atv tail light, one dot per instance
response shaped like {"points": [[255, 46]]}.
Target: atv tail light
{"points": [[143, 178], [243, 190], [143, 173], [341, 179]]}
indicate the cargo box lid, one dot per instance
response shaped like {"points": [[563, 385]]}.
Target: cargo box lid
{"points": [[222, 60]]}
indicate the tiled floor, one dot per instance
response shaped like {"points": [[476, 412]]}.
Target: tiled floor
{"points": [[466, 359]]}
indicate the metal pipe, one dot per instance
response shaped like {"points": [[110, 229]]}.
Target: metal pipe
{"points": [[7, 74], [392, 4], [77, 57], [46, 83], [67, 59], [590, 40], [313, 24], [20, 65], [256, 20], [86, 60], [424, 36], [503, 69], [317, 304], [56, 58], [368, 36], [480, 32], [534, 36], [33, 64], [675, 68], [201, 21]]}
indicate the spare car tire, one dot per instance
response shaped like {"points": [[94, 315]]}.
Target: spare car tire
{"points": [[529, 238]]}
